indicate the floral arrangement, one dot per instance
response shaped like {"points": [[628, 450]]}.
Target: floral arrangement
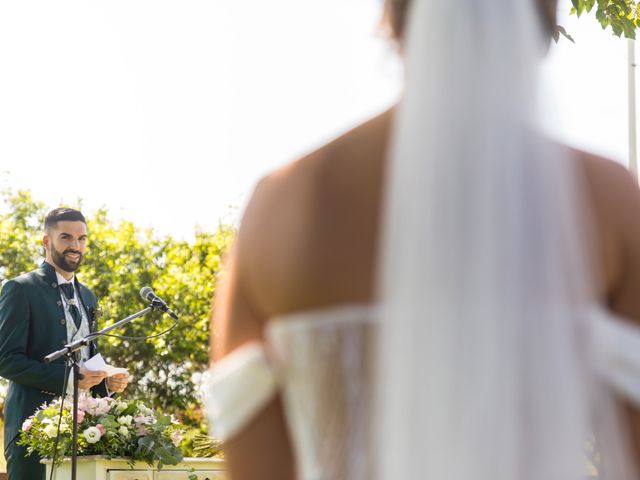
{"points": [[106, 426]]}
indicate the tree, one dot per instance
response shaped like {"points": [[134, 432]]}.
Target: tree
{"points": [[20, 234], [623, 16], [121, 259]]}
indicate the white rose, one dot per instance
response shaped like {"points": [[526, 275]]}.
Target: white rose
{"points": [[145, 410], [121, 407], [50, 430], [92, 434], [125, 420], [124, 431]]}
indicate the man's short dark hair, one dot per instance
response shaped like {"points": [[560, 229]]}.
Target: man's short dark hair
{"points": [[62, 215]]}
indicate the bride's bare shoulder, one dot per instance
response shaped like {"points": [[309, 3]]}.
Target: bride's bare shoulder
{"points": [[344, 166], [614, 189], [616, 203], [342, 155], [316, 217]]}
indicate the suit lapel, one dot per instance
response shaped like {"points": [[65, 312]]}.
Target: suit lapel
{"points": [[88, 308], [48, 275]]}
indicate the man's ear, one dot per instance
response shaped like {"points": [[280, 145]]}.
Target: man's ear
{"points": [[46, 240]]}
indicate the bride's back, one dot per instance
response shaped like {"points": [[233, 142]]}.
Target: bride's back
{"points": [[309, 238], [310, 234]]}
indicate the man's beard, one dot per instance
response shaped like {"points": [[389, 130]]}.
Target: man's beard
{"points": [[61, 261]]}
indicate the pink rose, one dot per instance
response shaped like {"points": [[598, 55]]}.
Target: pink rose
{"points": [[141, 430], [100, 427], [103, 406], [86, 403], [176, 437], [26, 425], [80, 415], [143, 419]]}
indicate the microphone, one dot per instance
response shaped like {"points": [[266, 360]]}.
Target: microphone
{"points": [[147, 294]]}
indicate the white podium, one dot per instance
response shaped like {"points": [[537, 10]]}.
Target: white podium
{"points": [[98, 467]]}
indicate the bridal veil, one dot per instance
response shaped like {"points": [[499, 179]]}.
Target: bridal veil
{"points": [[488, 361]]}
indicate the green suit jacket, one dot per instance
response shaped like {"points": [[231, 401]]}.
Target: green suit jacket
{"points": [[33, 325]]}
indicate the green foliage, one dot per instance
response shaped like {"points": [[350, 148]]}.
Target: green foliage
{"points": [[120, 260], [206, 446], [623, 16], [20, 233]]}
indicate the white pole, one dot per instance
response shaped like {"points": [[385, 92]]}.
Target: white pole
{"points": [[633, 140]]}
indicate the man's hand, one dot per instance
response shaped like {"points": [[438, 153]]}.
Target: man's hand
{"points": [[117, 383], [90, 378]]}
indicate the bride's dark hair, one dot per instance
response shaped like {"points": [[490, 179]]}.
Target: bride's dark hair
{"points": [[394, 16], [395, 13]]}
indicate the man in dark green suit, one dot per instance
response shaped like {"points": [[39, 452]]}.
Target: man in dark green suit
{"points": [[40, 312]]}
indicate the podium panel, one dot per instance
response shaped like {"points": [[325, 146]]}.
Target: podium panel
{"points": [[97, 467]]}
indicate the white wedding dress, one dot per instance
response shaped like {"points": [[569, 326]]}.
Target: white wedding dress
{"points": [[321, 363]]}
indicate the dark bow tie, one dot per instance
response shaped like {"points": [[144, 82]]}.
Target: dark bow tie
{"points": [[68, 291]]}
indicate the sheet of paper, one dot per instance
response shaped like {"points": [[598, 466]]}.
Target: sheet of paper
{"points": [[97, 363]]}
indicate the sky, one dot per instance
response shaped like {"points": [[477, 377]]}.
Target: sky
{"points": [[169, 112], [585, 88]]}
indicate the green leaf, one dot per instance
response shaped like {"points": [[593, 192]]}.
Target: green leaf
{"points": [[601, 15], [617, 29], [146, 443], [576, 4], [629, 29], [560, 30], [109, 421], [602, 18], [166, 457]]}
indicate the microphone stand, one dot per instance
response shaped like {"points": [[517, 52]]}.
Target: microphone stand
{"points": [[72, 353], [74, 358]]}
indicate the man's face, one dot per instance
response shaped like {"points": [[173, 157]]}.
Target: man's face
{"points": [[65, 245]]}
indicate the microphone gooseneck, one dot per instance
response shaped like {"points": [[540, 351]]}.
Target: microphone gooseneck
{"points": [[148, 295]]}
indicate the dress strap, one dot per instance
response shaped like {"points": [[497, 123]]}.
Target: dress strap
{"points": [[618, 354], [237, 388]]}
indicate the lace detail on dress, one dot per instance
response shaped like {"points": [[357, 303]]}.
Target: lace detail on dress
{"points": [[327, 390]]}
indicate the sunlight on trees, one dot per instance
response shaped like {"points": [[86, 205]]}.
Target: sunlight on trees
{"points": [[121, 259]]}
